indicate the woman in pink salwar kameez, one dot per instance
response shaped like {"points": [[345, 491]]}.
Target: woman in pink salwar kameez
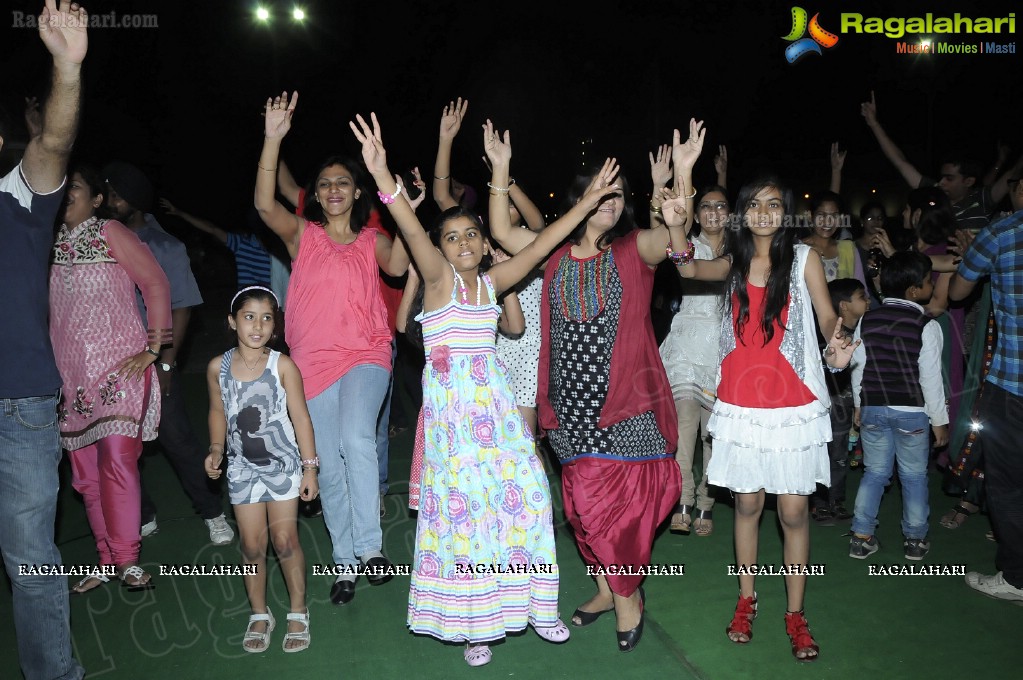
{"points": [[111, 400]]}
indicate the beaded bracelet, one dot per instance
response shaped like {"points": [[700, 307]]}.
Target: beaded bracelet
{"points": [[683, 257], [388, 199], [312, 462], [825, 355], [499, 189]]}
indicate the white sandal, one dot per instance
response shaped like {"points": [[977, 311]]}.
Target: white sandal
{"points": [[141, 580], [477, 655], [96, 574], [302, 637], [262, 638]]}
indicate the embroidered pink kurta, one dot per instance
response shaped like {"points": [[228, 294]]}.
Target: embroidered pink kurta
{"points": [[95, 325]]}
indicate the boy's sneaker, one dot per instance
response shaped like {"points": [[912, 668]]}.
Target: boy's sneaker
{"points": [[916, 548], [995, 586], [862, 548], [221, 532], [149, 528]]}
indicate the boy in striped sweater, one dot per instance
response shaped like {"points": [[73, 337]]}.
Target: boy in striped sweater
{"points": [[900, 399]]}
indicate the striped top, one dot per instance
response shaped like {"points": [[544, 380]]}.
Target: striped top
{"points": [[463, 328], [250, 259]]}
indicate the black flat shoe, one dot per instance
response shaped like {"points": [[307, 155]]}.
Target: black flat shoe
{"points": [[343, 591], [378, 570], [586, 618], [628, 640]]}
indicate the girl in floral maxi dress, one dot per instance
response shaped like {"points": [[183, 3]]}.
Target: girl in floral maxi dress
{"points": [[484, 562]]}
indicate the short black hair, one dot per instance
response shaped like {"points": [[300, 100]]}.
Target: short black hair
{"points": [[902, 271], [842, 290]]}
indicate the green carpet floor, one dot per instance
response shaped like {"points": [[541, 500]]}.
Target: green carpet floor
{"points": [[867, 626]]}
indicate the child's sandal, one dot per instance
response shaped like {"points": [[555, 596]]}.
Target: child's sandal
{"points": [[477, 655], [557, 633], [301, 637], [740, 630], [799, 634], [682, 519], [262, 640]]}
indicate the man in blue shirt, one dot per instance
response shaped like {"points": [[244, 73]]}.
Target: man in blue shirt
{"points": [[998, 252], [129, 196], [30, 196]]}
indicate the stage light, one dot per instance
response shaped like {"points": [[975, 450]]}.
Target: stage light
{"points": [[263, 14], [298, 14]]}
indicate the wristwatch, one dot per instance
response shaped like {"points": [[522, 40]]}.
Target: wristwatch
{"points": [[164, 367]]}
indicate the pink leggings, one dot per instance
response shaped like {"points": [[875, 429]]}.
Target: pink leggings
{"points": [[106, 473]]}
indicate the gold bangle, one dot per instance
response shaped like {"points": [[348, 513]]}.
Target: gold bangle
{"points": [[440, 179], [692, 195], [260, 166], [655, 209]]}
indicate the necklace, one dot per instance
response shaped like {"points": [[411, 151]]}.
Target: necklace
{"points": [[254, 367], [463, 291]]}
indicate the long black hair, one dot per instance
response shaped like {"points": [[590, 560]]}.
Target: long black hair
{"points": [[742, 250], [414, 329], [313, 211], [625, 223]]}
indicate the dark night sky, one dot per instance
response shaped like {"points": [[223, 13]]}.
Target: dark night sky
{"points": [[183, 100]]}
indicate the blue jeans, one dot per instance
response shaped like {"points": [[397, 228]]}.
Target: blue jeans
{"points": [[345, 423], [29, 482], [889, 436], [383, 441]]}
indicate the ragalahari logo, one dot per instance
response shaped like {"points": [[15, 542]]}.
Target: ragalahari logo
{"points": [[801, 46]]}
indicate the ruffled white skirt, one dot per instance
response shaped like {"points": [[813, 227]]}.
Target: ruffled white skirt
{"points": [[780, 450]]}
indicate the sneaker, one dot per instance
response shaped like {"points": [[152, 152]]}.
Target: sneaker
{"points": [[916, 548], [995, 586], [862, 548], [149, 528], [221, 532]]}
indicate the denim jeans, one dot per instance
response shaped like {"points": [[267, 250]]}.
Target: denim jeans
{"points": [[345, 419], [29, 482], [383, 440], [889, 436], [838, 452]]}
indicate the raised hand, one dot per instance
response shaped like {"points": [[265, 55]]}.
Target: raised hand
{"points": [[721, 160], [498, 152], [373, 152], [601, 185], [33, 117], [660, 167], [837, 157], [869, 110], [673, 208], [278, 113], [685, 154], [168, 207], [419, 184], [451, 118], [63, 31], [498, 256]]}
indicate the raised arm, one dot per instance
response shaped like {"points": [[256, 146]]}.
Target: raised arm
{"points": [[531, 215], [721, 166], [63, 33], [660, 175], [840, 349], [200, 224], [507, 274], [869, 112], [653, 243], [450, 123], [512, 240], [283, 222], [837, 161], [286, 184], [431, 263]]}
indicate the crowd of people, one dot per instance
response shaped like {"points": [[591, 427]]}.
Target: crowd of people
{"points": [[793, 335]]}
